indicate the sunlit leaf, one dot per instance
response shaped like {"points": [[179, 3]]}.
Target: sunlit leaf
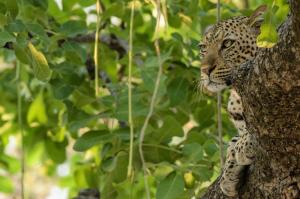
{"points": [[268, 36], [39, 64], [37, 111]]}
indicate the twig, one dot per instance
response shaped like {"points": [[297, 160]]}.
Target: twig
{"points": [[130, 120], [157, 82], [98, 9], [163, 147]]}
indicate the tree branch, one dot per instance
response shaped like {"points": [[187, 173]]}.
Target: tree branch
{"points": [[111, 40]]}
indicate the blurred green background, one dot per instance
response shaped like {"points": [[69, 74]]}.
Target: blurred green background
{"points": [[74, 140]]}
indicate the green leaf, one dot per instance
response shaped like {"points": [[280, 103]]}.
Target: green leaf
{"points": [[195, 135], [205, 116], [109, 164], [61, 90], [115, 9], [283, 10], [31, 13], [3, 20], [68, 4], [86, 176], [133, 189], [12, 164], [171, 187], [193, 151], [160, 153], [78, 118], [74, 53], [6, 37], [56, 12], [177, 91], [22, 54], [40, 3], [73, 28], [80, 178], [15, 26], [39, 63], [86, 3], [139, 108], [12, 7], [119, 173], [210, 147], [171, 127], [37, 111], [56, 150], [91, 139], [38, 30], [203, 173]]}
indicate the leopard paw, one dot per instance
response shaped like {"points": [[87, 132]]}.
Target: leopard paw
{"points": [[245, 149], [228, 187], [230, 177]]}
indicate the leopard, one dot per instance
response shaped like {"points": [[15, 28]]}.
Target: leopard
{"points": [[224, 47]]}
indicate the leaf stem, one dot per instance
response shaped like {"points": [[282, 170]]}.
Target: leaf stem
{"points": [[130, 120], [163, 147], [96, 53], [152, 103]]}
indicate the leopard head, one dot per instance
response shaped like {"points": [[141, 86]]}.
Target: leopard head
{"points": [[227, 45]]}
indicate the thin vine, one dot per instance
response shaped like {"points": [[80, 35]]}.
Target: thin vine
{"points": [[157, 82], [96, 53], [130, 120]]}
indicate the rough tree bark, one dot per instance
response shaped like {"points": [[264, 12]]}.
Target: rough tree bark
{"points": [[270, 91]]}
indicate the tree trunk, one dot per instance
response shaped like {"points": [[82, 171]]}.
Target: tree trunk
{"points": [[270, 91]]}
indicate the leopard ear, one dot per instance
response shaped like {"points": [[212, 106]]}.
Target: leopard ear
{"points": [[256, 19]]}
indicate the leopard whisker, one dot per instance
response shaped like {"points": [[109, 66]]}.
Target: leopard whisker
{"points": [[199, 88]]}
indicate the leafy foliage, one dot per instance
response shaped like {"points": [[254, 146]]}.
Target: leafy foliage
{"points": [[64, 122]]}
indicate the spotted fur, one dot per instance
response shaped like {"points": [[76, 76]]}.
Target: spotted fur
{"points": [[226, 46]]}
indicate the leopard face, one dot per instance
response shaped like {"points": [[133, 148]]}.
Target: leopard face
{"points": [[224, 47]]}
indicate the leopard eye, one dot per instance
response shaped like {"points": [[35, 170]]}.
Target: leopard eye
{"points": [[202, 48], [227, 43]]}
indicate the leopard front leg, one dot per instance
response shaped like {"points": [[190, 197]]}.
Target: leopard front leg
{"points": [[245, 149], [245, 146], [231, 171]]}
